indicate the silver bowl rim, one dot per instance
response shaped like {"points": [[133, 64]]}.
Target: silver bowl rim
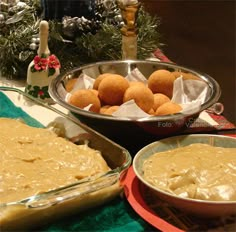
{"points": [[172, 117]]}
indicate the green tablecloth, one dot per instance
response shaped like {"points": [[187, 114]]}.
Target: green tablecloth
{"points": [[115, 216]]}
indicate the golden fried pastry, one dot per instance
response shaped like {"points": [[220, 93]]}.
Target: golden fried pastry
{"points": [[178, 74], [112, 88], [104, 108], [94, 91], [132, 83], [168, 108], [162, 81], [142, 96], [159, 99], [190, 76], [185, 76], [84, 97], [99, 79], [110, 110], [70, 84], [151, 111]]}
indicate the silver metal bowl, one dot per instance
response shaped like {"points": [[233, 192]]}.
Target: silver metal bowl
{"points": [[202, 208], [130, 133]]}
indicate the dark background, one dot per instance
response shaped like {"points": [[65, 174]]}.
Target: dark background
{"points": [[201, 35]]}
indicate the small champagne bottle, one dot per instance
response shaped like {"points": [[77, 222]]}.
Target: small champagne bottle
{"points": [[43, 68]]}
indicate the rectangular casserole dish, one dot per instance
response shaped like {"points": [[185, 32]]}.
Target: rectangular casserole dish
{"points": [[89, 192]]}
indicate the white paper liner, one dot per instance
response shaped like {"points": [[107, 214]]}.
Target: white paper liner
{"points": [[136, 75], [130, 110], [190, 94], [83, 82]]}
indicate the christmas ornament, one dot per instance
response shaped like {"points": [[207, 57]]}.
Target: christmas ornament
{"points": [[43, 69], [2, 18], [34, 42], [33, 46]]}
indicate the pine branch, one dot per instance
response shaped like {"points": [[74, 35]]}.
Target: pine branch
{"points": [[103, 42]]}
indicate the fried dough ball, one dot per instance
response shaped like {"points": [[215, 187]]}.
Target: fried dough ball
{"points": [[177, 74], [99, 79], [132, 83], [142, 96], [94, 91], [112, 88], [104, 108], [186, 76], [111, 110], [168, 108], [190, 76], [70, 84], [151, 111], [162, 81], [83, 97], [159, 99]]}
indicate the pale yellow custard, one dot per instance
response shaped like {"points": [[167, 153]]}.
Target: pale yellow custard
{"points": [[35, 160], [198, 171]]}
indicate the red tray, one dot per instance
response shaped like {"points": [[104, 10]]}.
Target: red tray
{"points": [[165, 217], [134, 194]]}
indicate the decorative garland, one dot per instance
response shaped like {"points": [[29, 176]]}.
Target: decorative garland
{"points": [[75, 41]]}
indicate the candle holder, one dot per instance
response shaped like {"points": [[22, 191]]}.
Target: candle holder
{"points": [[129, 31]]}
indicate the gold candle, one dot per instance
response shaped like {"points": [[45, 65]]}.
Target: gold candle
{"points": [[129, 11]]}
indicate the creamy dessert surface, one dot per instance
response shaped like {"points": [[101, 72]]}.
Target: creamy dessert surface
{"points": [[198, 171], [35, 160]]}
